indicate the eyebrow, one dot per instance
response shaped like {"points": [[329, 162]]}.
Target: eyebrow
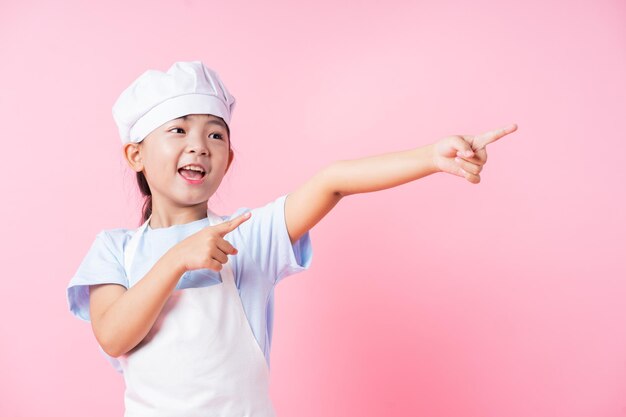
{"points": [[218, 122]]}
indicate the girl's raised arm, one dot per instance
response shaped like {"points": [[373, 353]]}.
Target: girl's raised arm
{"points": [[462, 155]]}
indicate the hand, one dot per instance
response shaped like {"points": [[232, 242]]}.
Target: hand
{"points": [[207, 248], [465, 155]]}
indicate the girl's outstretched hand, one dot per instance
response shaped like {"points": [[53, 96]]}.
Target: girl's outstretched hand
{"points": [[207, 248], [465, 155]]}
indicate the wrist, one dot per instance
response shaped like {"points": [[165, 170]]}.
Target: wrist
{"points": [[175, 259], [432, 157]]}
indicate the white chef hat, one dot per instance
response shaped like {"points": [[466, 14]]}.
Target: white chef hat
{"points": [[157, 97]]}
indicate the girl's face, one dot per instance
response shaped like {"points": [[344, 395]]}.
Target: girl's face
{"points": [[200, 139]]}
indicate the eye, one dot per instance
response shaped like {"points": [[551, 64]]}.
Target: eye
{"points": [[218, 134], [176, 128]]}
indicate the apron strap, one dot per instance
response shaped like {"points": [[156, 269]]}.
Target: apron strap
{"points": [[131, 248]]}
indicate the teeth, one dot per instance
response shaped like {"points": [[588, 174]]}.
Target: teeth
{"points": [[192, 168]]}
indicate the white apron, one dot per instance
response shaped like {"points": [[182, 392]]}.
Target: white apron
{"points": [[200, 359]]}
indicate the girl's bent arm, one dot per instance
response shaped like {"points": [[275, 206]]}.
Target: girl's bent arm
{"points": [[307, 205], [121, 318], [382, 171]]}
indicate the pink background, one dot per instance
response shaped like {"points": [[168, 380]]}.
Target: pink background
{"points": [[435, 298]]}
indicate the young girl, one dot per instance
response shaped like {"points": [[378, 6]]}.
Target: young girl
{"points": [[183, 305]]}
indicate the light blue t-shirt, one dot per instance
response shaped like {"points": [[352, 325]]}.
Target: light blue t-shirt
{"points": [[265, 256]]}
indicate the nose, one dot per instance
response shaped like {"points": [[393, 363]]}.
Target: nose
{"points": [[197, 144]]}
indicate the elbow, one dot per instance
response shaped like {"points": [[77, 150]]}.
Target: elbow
{"points": [[331, 177], [112, 351], [109, 343], [110, 347]]}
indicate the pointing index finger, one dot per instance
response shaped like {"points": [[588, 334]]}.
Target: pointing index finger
{"points": [[486, 138], [230, 225]]}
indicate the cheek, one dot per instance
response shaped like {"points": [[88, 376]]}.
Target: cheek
{"points": [[160, 163], [165, 154], [221, 163]]}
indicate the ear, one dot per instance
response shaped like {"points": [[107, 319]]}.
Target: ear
{"points": [[231, 155], [132, 153]]}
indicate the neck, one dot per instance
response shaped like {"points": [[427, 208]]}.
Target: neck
{"points": [[166, 214]]}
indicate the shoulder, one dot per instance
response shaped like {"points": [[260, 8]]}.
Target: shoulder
{"points": [[265, 219], [117, 234], [267, 244], [108, 245], [268, 208], [112, 242], [115, 239]]}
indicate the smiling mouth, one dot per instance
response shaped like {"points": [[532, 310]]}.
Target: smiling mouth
{"points": [[191, 174]]}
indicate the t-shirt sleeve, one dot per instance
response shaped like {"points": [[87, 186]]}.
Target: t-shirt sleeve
{"points": [[103, 264], [267, 243]]}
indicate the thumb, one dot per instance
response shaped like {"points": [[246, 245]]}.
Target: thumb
{"points": [[462, 147], [230, 225]]}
